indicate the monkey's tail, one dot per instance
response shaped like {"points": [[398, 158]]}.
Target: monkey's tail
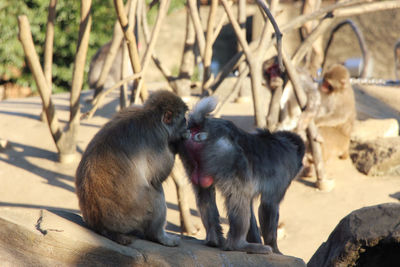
{"points": [[204, 107]]}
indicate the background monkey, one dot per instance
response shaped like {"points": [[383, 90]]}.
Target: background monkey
{"points": [[119, 179], [218, 155], [337, 113]]}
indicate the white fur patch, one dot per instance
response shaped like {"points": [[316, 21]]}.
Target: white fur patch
{"points": [[224, 145], [203, 107]]}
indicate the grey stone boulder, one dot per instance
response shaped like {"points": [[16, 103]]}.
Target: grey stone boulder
{"points": [[34, 237], [368, 237], [377, 157]]}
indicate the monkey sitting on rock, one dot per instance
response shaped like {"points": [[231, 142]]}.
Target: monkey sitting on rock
{"points": [[119, 179], [219, 155]]}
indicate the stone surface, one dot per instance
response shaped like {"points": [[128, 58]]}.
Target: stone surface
{"points": [[368, 130], [366, 237], [35, 237], [378, 157]]}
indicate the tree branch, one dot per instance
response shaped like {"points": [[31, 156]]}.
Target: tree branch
{"points": [[32, 58], [100, 97], [48, 46], [132, 47], [194, 13], [278, 34]]}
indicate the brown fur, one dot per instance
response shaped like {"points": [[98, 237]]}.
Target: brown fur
{"points": [[118, 181], [337, 113]]}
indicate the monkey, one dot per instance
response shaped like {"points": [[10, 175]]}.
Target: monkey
{"points": [[119, 178], [242, 166], [337, 113], [291, 116]]}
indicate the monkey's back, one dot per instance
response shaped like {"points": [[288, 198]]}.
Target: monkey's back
{"points": [[262, 158], [112, 179]]}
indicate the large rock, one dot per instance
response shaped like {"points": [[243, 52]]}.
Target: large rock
{"points": [[370, 129], [367, 237], [32, 237], [378, 157]]}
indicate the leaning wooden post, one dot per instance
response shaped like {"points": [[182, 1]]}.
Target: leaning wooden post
{"points": [[132, 47], [322, 183]]}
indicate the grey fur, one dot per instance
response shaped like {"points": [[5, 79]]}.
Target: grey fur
{"points": [[243, 166]]}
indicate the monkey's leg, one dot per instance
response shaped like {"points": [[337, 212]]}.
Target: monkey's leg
{"points": [[239, 224], [268, 214], [253, 236], [155, 231], [121, 239], [207, 206]]}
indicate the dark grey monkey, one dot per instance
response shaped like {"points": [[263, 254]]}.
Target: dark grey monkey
{"points": [[119, 179], [218, 155]]}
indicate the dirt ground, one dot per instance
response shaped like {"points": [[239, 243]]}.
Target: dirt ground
{"points": [[31, 177]]}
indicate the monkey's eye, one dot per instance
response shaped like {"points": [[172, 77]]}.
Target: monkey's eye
{"points": [[200, 137]]}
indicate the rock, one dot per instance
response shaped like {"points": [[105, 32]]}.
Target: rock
{"points": [[33, 237], [378, 157], [366, 237], [371, 129]]}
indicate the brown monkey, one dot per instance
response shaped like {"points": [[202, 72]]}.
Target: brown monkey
{"points": [[337, 113], [119, 179]]}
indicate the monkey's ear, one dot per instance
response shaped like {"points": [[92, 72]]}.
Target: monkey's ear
{"points": [[167, 117]]}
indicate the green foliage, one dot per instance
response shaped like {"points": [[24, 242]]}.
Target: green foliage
{"points": [[65, 40]]}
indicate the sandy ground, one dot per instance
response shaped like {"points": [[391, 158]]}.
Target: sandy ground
{"points": [[31, 176]]}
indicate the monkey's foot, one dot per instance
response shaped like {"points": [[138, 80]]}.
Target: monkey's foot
{"points": [[325, 185], [121, 239], [252, 248], [168, 240], [214, 240], [191, 229]]}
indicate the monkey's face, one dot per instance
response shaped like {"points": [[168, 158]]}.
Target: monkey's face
{"points": [[272, 74], [175, 123], [195, 146], [326, 87]]}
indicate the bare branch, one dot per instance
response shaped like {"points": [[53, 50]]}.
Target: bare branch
{"points": [[100, 97], [146, 33], [238, 32], [194, 13], [235, 90], [164, 5], [305, 46], [80, 60], [278, 33], [48, 46], [32, 58], [367, 8], [112, 52], [300, 20], [360, 39], [208, 46], [131, 40], [220, 24]]}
